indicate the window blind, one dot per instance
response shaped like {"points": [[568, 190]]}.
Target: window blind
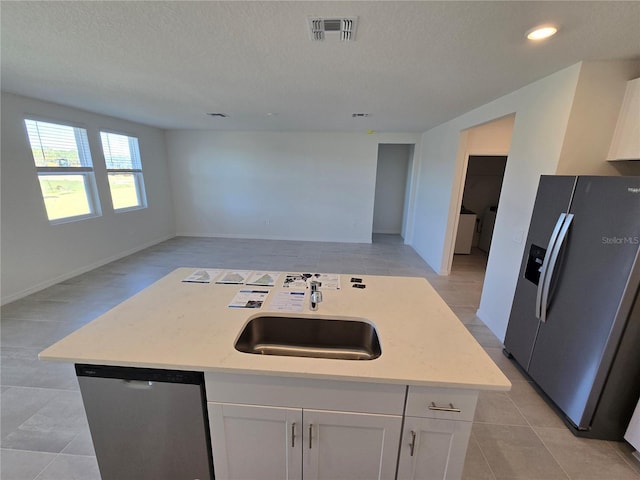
{"points": [[55, 145], [121, 152]]}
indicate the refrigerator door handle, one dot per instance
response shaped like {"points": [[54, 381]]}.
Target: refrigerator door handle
{"points": [[545, 263], [552, 265]]}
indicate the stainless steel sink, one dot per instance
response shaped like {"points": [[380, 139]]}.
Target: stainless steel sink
{"points": [[310, 337]]}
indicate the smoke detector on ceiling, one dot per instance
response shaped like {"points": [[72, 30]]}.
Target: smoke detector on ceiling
{"points": [[343, 28]]}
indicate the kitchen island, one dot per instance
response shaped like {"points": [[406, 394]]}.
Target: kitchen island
{"points": [[420, 392]]}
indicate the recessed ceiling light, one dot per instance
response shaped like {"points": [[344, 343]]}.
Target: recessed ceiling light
{"points": [[541, 32]]}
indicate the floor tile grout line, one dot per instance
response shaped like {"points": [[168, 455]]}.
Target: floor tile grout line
{"points": [[534, 427], [45, 468], [628, 461], [550, 452], [39, 388], [484, 456]]}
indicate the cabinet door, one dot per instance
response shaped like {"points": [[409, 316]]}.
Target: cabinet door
{"points": [[433, 449], [253, 442], [350, 446]]}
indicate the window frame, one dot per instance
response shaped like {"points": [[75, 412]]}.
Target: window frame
{"points": [[87, 172], [137, 173]]}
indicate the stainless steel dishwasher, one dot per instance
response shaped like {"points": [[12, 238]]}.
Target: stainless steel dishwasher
{"points": [[147, 424]]}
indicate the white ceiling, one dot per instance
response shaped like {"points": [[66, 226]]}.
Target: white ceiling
{"points": [[412, 66]]}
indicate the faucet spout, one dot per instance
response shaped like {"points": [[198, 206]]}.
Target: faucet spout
{"points": [[316, 296]]}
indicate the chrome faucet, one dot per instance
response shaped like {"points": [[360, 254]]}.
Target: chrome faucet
{"points": [[316, 296]]}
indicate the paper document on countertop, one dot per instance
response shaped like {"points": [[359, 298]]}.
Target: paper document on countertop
{"points": [[205, 275], [327, 281], [287, 301], [236, 277], [263, 279], [249, 299], [294, 280]]}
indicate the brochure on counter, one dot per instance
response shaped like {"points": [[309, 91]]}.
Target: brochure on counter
{"points": [[287, 301], [249, 299], [234, 277], [327, 281], [204, 275], [263, 279]]}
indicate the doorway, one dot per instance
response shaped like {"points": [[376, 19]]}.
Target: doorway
{"points": [[391, 193], [480, 197], [484, 164]]}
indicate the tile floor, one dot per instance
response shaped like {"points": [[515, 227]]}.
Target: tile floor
{"points": [[44, 434]]}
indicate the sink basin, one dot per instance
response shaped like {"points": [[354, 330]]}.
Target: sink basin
{"points": [[310, 337]]}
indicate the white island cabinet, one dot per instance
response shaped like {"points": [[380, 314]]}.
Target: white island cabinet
{"points": [[283, 433], [251, 441], [437, 427], [405, 414], [303, 429]]}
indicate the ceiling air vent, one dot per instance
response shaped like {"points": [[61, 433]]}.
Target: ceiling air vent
{"points": [[342, 28]]}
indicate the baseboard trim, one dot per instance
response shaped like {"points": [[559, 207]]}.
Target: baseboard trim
{"points": [[79, 271], [270, 237]]}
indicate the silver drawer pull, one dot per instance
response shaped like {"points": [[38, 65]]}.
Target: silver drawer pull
{"points": [[450, 408]]}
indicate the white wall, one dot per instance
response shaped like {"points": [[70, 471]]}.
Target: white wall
{"points": [[275, 185], [36, 254], [391, 181], [542, 111], [594, 114], [492, 138], [549, 126], [409, 188]]}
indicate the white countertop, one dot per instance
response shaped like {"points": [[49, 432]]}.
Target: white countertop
{"points": [[189, 326]]}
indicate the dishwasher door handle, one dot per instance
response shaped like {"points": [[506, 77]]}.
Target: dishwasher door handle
{"points": [[138, 384]]}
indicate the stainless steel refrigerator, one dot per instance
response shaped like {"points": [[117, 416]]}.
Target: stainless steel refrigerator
{"points": [[575, 320]]}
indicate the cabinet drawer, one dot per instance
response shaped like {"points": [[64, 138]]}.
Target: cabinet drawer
{"points": [[443, 403], [292, 392]]}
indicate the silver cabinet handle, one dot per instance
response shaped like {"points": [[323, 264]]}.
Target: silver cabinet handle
{"points": [[293, 435], [412, 445], [552, 265], [310, 434], [545, 263], [450, 408]]}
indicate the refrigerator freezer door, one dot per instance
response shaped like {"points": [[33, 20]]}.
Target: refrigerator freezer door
{"points": [[574, 348], [553, 199]]}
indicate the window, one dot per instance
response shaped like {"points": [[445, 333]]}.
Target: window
{"points": [[124, 168], [63, 161]]}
